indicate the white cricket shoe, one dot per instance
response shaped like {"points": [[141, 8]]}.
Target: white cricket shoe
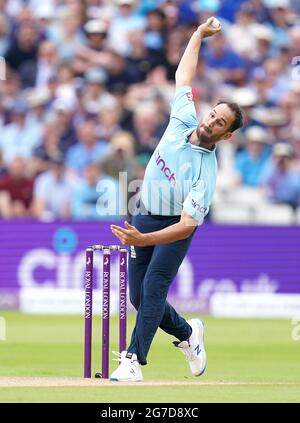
{"points": [[129, 369], [193, 348]]}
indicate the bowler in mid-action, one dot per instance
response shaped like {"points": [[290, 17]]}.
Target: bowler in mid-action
{"points": [[184, 164]]}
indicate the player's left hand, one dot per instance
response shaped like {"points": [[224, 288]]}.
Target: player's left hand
{"points": [[129, 236]]}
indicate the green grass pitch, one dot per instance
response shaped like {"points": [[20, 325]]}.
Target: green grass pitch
{"points": [[248, 361]]}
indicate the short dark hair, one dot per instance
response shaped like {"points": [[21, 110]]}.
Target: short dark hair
{"points": [[237, 111], [157, 12]]}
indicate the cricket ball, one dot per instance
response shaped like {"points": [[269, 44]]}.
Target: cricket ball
{"points": [[215, 23]]}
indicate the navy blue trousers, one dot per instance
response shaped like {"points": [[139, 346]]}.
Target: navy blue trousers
{"points": [[151, 271]]}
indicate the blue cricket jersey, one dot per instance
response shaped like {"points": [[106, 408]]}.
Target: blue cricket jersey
{"points": [[180, 175]]}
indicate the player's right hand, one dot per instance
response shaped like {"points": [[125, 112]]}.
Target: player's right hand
{"points": [[207, 30]]}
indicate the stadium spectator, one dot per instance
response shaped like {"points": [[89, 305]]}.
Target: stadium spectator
{"points": [[281, 20], [108, 119], [247, 99], [295, 6], [91, 199], [289, 105], [98, 9], [156, 89], [140, 60], [118, 71], [95, 94], [53, 193], [145, 127], [92, 53], [66, 85], [16, 189], [279, 79], [229, 65], [260, 11], [22, 53], [155, 34], [207, 82], [205, 8], [63, 113], [172, 13], [250, 162], [38, 100], [4, 33], [44, 15], [66, 35], [122, 156], [123, 22], [244, 21], [120, 93], [228, 9], [19, 138], [47, 63], [9, 91], [88, 150], [281, 179], [96, 32], [173, 52], [49, 151], [294, 40], [275, 120], [262, 49], [260, 85]]}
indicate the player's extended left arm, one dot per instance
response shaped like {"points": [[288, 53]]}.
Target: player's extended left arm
{"points": [[131, 236]]}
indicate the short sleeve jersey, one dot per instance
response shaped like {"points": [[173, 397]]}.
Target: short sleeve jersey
{"points": [[180, 175]]}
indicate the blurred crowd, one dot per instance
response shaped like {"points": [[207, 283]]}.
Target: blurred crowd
{"points": [[85, 92]]}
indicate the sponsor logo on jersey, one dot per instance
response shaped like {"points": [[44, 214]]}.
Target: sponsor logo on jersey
{"points": [[161, 163], [198, 207]]}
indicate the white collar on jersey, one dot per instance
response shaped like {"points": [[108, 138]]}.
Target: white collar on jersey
{"points": [[187, 133]]}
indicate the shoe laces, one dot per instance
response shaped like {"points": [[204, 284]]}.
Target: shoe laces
{"points": [[186, 351], [118, 355], [189, 356], [121, 358]]}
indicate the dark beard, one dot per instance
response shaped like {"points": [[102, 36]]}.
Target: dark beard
{"points": [[202, 138]]}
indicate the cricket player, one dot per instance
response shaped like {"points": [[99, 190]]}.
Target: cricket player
{"points": [[161, 232]]}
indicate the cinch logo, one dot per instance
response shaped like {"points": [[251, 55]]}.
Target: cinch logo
{"points": [[166, 170], [197, 206]]}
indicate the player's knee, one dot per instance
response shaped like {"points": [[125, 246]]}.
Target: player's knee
{"points": [[157, 290], [159, 278]]}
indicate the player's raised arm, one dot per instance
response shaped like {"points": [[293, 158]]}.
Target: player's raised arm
{"points": [[187, 67]]}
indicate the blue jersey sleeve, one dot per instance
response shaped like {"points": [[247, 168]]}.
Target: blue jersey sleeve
{"points": [[194, 203], [183, 108]]}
